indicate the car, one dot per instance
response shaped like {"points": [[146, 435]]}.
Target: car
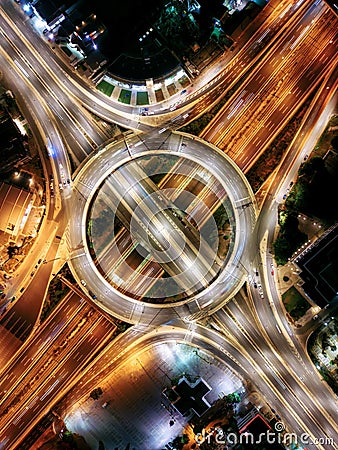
{"points": [[60, 186], [83, 283], [91, 293], [261, 295], [255, 285]]}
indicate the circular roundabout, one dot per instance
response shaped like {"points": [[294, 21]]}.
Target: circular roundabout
{"points": [[160, 228]]}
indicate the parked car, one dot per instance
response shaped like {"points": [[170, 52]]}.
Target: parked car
{"points": [[91, 293]]}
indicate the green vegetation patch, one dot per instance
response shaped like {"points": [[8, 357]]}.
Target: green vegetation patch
{"points": [[295, 304], [322, 346], [184, 81], [57, 290], [289, 238], [221, 217], [316, 189], [125, 96], [142, 98], [105, 87]]}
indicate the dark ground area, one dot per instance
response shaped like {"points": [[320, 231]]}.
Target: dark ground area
{"points": [[126, 22]]}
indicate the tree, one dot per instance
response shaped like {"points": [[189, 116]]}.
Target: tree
{"points": [[289, 238], [232, 398], [334, 143], [96, 393]]}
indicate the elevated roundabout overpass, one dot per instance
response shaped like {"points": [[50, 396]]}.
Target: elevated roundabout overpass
{"points": [[242, 208]]}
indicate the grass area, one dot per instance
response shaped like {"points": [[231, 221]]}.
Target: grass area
{"points": [[295, 303], [142, 98], [289, 238], [125, 96], [184, 81], [105, 87]]}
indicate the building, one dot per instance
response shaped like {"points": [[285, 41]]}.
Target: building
{"points": [[255, 430], [15, 207], [318, 265], [12, 149], [187, 397]]}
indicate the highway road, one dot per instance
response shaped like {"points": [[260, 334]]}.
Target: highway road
{"points": [[55, 98], [162, 230], [250, 121], [242, 347], [48, 364]]}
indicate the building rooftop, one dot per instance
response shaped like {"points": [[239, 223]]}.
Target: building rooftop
{"points": [[319, 265], [14, 207], [191, 396]]}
